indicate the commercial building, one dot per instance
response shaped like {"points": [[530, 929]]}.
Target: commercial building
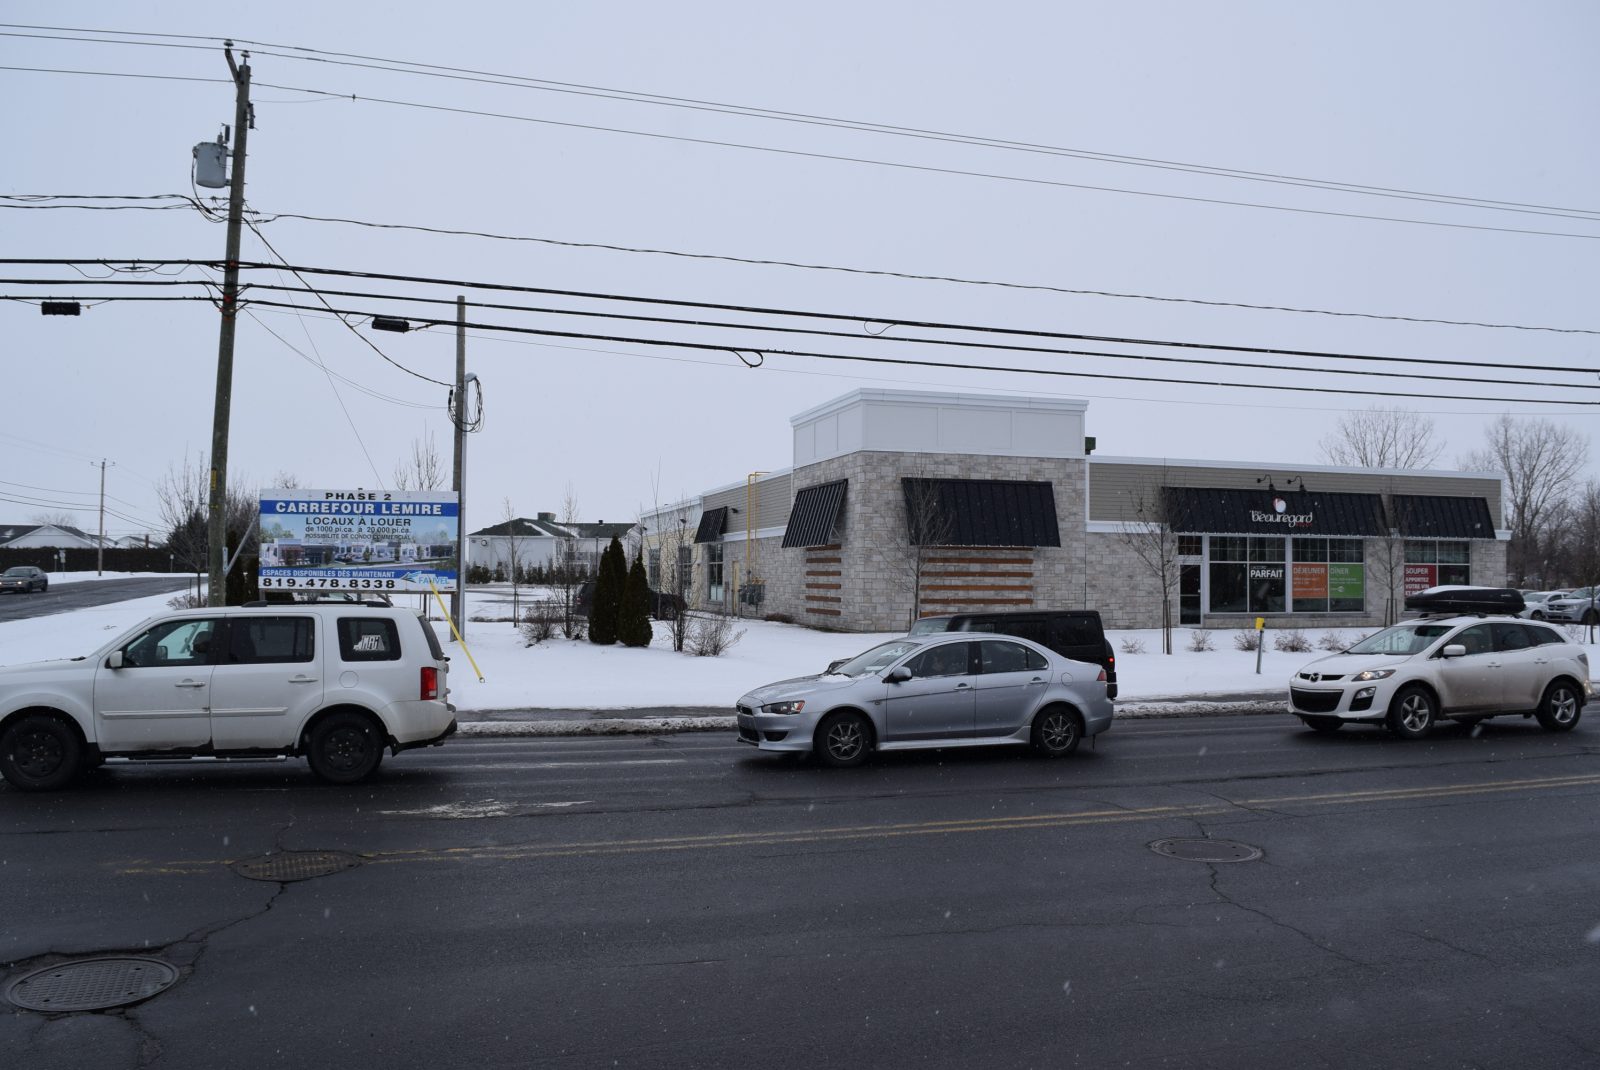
{"points": [[900, 504]]}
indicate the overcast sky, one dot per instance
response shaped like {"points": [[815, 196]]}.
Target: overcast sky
{"points": [[1459, 99]]}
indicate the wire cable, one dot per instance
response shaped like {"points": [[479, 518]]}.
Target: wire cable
{"points": [[466, 74], [904, 362]]}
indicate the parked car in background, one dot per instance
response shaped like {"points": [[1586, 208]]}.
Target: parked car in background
{"points": [[336, 683], [1466, 661], [1073, 633], [664, 605], [945, 690], [1575, 607], [1534, 603], [24, 579]]}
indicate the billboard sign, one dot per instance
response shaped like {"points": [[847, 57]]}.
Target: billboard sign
{"points": [[359, 540]]}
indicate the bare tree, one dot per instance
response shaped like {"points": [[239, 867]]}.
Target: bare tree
{"points": [[183, 503], [514, 551], [1149, 536], [929, 527], [59, 520], [1383, 438], [424, 470], [1540, 460], [566, 573]]}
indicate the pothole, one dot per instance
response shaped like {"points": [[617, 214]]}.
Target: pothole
{"points": [[92, 984], [295, 865], [1204, 850]]}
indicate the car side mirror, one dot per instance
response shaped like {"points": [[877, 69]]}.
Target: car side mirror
{"points": [[898, 675], [115, 660], [1454, 650], [834, 664]]}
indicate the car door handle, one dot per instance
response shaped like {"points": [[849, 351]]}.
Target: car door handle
{"points": [[962, 686], [302, 679], [189, 683], [1036, 680]]}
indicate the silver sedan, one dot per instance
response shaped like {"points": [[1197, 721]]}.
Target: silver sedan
{"points": [[947, 690]]}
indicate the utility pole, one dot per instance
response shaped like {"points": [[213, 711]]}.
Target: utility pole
{"points": [[100, 551], [217, 498], [458, 417]]}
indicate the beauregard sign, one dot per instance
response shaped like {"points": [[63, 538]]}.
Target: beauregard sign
{"points": [[359, 540], [1281, 515]]}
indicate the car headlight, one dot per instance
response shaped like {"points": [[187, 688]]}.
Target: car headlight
{"points": [[784, 707], [1373, 674]]}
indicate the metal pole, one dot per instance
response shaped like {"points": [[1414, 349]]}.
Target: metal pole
{"points": [[458, 599], [100, 550], [217, 527]]}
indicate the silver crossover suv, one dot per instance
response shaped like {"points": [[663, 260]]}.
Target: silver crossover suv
{"points": [[947, 690], [1463, 668]]}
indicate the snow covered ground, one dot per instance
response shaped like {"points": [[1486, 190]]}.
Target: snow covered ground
{"points": [[563, 674]]}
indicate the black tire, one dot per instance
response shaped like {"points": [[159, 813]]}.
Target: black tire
{"points": [[345, 748], [1325, 726], [843, 740], [1056, 732], [668, 611], [1537, 614], [1560, 708], [1412, 713], [40, 752]]}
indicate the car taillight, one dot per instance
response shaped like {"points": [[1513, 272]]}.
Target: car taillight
{"points": [[430, 682], [1102, 676]]}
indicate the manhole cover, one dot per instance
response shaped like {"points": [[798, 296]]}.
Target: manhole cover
{"points": [[92, 984], [295, 865], [1194, 850]]}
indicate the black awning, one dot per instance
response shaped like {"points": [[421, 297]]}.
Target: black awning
{"points": [[980, 512], [1229, 511], [815, 512], [712, 523], [1427, 516]]}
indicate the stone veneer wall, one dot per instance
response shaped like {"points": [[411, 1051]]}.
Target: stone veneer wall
{"points": [[874, 589]]}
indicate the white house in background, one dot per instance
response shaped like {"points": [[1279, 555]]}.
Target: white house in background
{"points": [[45, 536], [539, 541]]}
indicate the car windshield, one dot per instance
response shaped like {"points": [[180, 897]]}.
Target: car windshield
{"points": [[1401, 639], [20, 570], [930, 626], [877, 659]]}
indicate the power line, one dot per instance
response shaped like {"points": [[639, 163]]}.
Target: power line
{"points": [[465, 74], [764, 352], [840, 157], [888, 321], [910, 276], [1042, 350]]}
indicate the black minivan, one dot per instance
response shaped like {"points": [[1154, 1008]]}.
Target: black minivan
{"points": [[1072, 633]]}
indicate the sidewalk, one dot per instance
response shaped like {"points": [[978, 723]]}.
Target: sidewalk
{"points": [[671, 719]]}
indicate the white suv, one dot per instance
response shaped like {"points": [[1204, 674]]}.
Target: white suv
{"points": [[1464, 668], [334, 682]]}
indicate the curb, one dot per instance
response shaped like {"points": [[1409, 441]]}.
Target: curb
{"points": [[1149, 709]]}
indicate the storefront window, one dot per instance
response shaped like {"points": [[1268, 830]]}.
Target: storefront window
{"points": [[1189, 545], [1329, 576], [714, 591], [1248, 574], [1268, 575], [1435, 564]]}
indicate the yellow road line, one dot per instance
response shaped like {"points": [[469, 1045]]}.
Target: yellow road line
{"points": [[857, 833]]}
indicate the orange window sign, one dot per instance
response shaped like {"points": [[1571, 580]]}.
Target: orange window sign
{"points": [[1310, 580]]}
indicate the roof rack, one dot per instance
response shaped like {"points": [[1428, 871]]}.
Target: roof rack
{"points": [[1466, 601]]}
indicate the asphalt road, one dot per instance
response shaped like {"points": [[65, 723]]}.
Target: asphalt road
{"points": [[684, 902], [65, 597]]}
